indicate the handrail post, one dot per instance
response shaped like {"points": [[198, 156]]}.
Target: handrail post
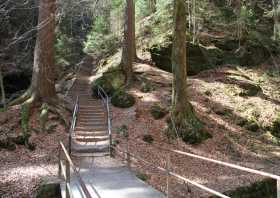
{"points": [[278, 188], [168, 176], [127, 153], [67, 169], [59, 164]]}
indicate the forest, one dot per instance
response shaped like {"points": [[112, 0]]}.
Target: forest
{"points": [[139, 98]]}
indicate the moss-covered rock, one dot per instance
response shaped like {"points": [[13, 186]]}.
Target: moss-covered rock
{"points": [[48, 190], [199, 57], [122, 99], [110, 81], [146, 86], [190, 130], [275, 129], [265, 189], [158, 111]]}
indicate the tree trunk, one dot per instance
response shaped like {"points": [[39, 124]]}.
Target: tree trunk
{"points": [[276, 17], [129, 47], [182, 111], [152, 6], [133, 39], [43, 78], [3, 95]]}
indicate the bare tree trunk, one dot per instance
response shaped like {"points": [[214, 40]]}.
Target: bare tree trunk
{"points": [[183, 113], [152, 6], [133, 39], [43, 78], [3, 95], [128, 43], [276, 17]]}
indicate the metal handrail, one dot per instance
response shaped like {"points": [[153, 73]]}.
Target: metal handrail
{"points": [[67, 173], [73, 124], [106, 102], [170, 173]]}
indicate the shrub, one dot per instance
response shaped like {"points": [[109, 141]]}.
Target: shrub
{"points": [[158, 111], [122, 99], [146, 86], [123, 131]]}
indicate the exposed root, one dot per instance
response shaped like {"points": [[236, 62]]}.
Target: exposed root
{"points": [[61, 112], [21, 99]]}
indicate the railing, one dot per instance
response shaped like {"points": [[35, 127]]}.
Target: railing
{"points": [[64, 172], [169, 173], [106, 102], [73, 124]]}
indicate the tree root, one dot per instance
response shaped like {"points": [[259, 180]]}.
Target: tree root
{"points": [[20, 100]]}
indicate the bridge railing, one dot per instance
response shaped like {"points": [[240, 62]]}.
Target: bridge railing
{"points": [[106, 102], [170, 173], [64, 172]]}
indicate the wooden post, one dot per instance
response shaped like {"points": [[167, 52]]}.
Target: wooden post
{"points": [[278, 188], [59, 164], [168, 175], [127, 153], [68, 177]]}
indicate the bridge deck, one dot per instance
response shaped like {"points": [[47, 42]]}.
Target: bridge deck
{"points": [[111, 179]]}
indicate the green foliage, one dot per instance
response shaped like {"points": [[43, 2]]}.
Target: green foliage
{"points": [[25, 127], [158, 111], [68, 50], [111, 82], [144, 177], [146, 86], [188, 127], [100, 40], [275, 129], [123, 131], [122, 99], [7, 144], [265, 189]]}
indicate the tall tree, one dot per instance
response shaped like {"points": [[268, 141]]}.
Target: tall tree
{"points": [[276, 17], [42, 87], [43, 79], [152, 6], [183, 114], [129, 47]]}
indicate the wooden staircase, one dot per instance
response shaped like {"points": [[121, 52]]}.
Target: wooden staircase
{"points": [[90, 136]]}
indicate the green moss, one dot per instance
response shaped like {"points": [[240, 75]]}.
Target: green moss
{"points": [[122, 99], [275, 129], [7, 144], [189, 128], [123, 131], [264, 189], [158, 111], [148, 138], [111, 82], [51, 190], [146, 86], [142, 176]]}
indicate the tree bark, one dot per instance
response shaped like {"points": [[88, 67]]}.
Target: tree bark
{"points": [[3, 95], [43, 78], [182, 111], [129, 46]]}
